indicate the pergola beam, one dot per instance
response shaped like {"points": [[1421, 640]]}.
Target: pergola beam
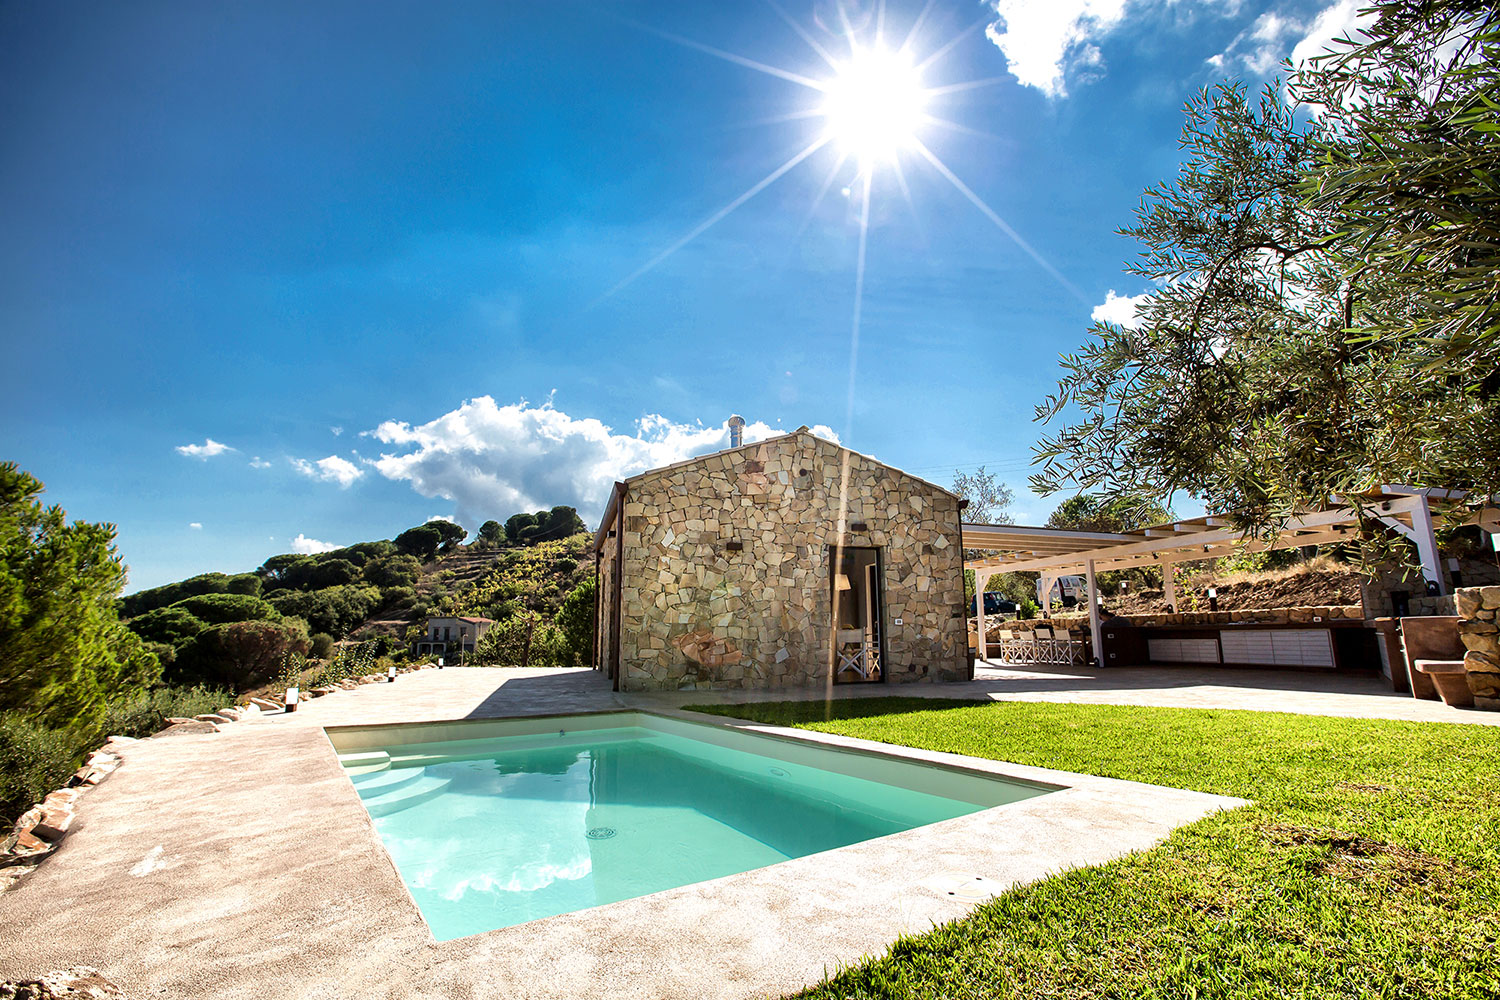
{"points": [[1198, 545]]}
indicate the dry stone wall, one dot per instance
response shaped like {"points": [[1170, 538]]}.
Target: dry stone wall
{"points": [[726, 578], [1375, 592], [1258, 616], [1479, 628]]}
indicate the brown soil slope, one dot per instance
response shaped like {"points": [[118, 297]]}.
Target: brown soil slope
{"points": [[1300, 586]]}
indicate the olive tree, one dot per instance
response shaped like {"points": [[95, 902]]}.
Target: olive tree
{"points": [[1287, 353]]}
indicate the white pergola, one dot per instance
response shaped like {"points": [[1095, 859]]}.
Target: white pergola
{"points": [[1056, 552]]}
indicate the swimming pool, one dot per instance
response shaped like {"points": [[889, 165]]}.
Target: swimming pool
{"points": [[501, 823]]}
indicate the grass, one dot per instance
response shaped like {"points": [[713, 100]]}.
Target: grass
{"points": [[1368, 865]]}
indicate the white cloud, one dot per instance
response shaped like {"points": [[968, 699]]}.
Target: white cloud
{"points": [[1043, 39], [257, 463], [336, 431], [1120, 309], [1342, 19], [195, 525], [1047, 43], [203, 452], [311, 546], [1277, 34], [332, 469], [440, 517], [494, 460]]}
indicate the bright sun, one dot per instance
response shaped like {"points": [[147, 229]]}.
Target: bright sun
{"points": [[874, 104]]}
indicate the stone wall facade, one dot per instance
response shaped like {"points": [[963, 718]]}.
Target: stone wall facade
{"points": [[1479, 628], [725, 575], [1375, 592]]}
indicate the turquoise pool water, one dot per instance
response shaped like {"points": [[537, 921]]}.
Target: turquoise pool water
{"points": [[495, 832]]}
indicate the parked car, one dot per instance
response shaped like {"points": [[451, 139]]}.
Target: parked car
{"points": [[995, 606]]}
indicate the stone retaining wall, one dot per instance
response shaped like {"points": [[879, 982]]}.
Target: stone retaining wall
{"points": [[1479, 628], [1259, 616], [1375, 592]]}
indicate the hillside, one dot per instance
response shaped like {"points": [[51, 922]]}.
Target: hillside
{"points": [[487, 582], [1319, 582], [237, 630]]}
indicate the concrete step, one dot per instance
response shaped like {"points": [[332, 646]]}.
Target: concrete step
{"points": [[366, 762], [407, 796], [387, 779]]}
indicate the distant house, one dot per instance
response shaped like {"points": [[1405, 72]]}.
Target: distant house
{"points": [[451, 635], [788, 562]]}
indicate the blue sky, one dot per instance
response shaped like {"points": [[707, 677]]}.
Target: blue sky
{"points": [[277, 275]]}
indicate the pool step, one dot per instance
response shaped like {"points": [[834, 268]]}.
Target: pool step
{"points": [[408, 795], [386, 780], [365, 762]]}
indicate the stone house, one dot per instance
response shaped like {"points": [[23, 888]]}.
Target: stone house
{"points": [[451, 635], [788, 562]]}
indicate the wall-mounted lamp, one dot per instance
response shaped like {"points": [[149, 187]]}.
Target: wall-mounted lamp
{"points": [[841, 582]]}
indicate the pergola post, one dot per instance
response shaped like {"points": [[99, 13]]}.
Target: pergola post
{"points": [[1427, 550], [1169, 585], [1047, 583], [981, 579], [1094, 615]]}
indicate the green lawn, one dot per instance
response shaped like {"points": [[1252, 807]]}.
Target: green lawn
{"points": [[1369, 865]]}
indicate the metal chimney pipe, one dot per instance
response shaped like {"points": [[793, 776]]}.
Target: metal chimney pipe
{"points": [[736, 431]]}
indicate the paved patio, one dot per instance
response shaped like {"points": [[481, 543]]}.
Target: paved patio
{"points": [[241, 863], [1360, 696]]}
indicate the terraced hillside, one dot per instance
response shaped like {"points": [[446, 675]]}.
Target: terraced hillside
{"points": [[489, 582]]}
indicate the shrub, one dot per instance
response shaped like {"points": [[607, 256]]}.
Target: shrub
{"points": [[399, 597], [220, 609], [332, 573], [244, 583], [165, 655], [524, 640], [576, 622], [322, 645], [334, 610], [394, 571], [348, 661], [174, 626], [144, 714], [207, 583], [240, 655], [33, 761]]}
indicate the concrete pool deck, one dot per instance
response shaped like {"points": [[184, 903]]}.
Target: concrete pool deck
{"points": [[242, 864]]}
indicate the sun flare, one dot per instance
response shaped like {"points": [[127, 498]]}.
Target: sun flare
{"points": [[874, 104], [871, 118]]}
